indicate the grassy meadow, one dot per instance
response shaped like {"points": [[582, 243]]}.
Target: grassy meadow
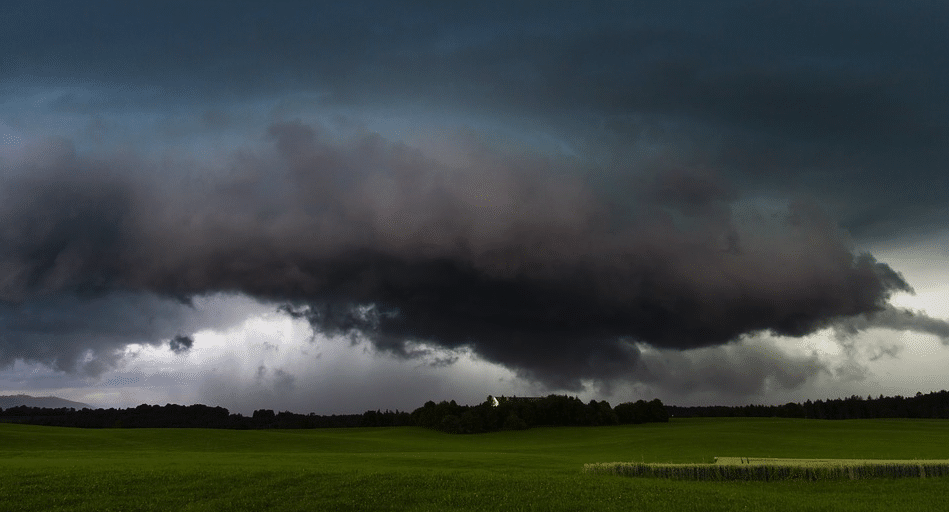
{"points": [[50, 468]]}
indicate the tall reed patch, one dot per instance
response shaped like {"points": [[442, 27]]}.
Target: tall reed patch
{"points": [[757, 469]]}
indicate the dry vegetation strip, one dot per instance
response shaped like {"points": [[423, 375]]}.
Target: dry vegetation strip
{"points": [[767, 469]]}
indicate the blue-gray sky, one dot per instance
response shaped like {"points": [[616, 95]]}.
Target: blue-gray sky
{"points": [[328, 208]]}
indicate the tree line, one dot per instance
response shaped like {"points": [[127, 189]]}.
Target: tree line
{"points": [[934, 405], [195, 416], [522, 413], [509, 414]]}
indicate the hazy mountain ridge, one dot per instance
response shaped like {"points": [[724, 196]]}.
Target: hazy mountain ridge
{"points": [[49, 402]]}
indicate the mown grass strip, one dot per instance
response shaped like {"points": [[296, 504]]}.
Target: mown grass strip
{"points": [[751, 469], [775, 461]]}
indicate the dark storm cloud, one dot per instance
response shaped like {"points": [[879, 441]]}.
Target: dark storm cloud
{"points": [[837, 100], [740, 369], [832, 71], [747, 61], [515, 257], [81, 333], [897, 319], [553, 266], [180, 344]]}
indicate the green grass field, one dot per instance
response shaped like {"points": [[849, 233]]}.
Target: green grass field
{"points": [[46, 468]]}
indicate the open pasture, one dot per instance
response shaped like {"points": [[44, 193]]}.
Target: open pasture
{"points": [[45, 468]]}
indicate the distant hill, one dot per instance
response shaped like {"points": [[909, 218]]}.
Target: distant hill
{"points": [[49, 402]]}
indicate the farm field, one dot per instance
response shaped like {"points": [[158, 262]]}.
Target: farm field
{"points": [[49, 468]]}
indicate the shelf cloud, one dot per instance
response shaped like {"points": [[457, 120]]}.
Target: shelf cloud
{"points": [[681, 196], [530, 267]]}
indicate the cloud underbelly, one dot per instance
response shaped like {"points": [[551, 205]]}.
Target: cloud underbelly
{"points": [[528, 265]]}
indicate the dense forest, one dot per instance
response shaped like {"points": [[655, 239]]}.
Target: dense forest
{"points": [[522, 413], [194, 416], [494, 414], [501, 413], [933, 405]]}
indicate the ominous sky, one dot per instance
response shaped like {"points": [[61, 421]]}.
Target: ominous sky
{"points": [[331, 208]]}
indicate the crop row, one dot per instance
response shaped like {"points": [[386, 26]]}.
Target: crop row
{"points": [[769, 472]]}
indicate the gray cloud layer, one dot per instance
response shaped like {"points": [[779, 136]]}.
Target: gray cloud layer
{"points": [[517, 258], [87, 334], [781, 98], [555, 265], [739, 369]]}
